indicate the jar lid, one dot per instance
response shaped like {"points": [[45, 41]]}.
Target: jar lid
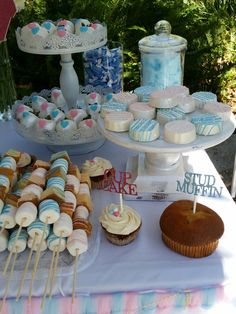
{"points": [[162, 39]]}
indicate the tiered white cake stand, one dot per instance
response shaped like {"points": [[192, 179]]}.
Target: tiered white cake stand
{"points": [[69, 84], [159, 164], [65, 46]]}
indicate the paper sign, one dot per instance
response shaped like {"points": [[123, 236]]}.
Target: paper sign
{"points": [[117, 182], [199, 184]]}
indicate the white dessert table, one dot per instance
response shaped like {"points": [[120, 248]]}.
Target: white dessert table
{"points": [[145, 276]]}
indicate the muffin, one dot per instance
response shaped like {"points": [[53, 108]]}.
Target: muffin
{"points": [[120, 226], [100, 172], [191, 234]]}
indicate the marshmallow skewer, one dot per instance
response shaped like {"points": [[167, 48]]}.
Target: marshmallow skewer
{"points": [[49, 277], [62, 228], [49, 213], [8, 280], [7, 217], [37, 258], [75, 275], [15, 246], [26, 269], [25, 215], [77, 244], [60, 244], [11, 252]]}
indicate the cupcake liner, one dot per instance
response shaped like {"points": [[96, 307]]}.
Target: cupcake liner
{"points": [[119, 239], [197, 251]]}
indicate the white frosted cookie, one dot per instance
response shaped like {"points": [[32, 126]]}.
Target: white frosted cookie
{"points": [[143, 130], [207, 124], [143, 92], [141, 110], [178, 90], [218, 108], [179, 132], [162, 99], [118, 121], [111, 107], [185, 103], [171, 114], [125, 98], [201, 98]]}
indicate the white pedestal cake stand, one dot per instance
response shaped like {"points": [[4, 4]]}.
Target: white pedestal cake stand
{"points": [[159, 164], [69, 82]]}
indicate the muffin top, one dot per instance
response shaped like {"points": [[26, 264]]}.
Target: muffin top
{"points": [[96, 166], [117, 221], [179, 223]]}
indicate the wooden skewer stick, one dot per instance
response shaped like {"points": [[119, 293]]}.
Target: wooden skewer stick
{"points": [[8, 280], [26, 268], [3, 227], [75, 275], [37, 257], [49, 278], [55, 265], [13, 247]]}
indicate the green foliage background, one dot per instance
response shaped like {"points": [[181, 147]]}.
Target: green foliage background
{"points": [[208, 25]]}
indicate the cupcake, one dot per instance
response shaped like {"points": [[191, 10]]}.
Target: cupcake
{"points": [[188, 233], [121, 225], [100, 172]]}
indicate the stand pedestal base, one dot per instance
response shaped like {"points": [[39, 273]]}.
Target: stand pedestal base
{"points": [[155, 176]]}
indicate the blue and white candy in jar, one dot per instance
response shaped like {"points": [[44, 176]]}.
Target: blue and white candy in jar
{"points": [[162, 57]]}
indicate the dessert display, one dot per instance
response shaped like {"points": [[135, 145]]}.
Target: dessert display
{"points": [[180, 119], [118, 121], [99, 171], [207, 124], [218, 108], [144, 130], [120, 223], [142, 110], [179, 132], [44, 205], [201, 98], [43, 121], [188, 233], [49, 36]]}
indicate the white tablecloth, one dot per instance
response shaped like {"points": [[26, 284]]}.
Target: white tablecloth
{"points": [[146, 264]]}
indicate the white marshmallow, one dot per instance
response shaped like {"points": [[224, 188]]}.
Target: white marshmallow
{"points": [[63, 226], [81, 212], [37, 245], [7, 217], [18, 245], [36, 229], [84, 189], [53, 242], [73, 180], [70, 198], [32, 188], [49, 211], [26, 214], [40, 172], [3, 240], [77, 243]]}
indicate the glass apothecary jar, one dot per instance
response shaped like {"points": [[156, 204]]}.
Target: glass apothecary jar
{"points": [[162, 57]]}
